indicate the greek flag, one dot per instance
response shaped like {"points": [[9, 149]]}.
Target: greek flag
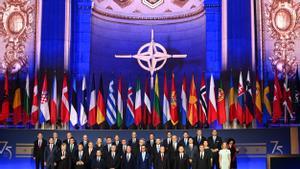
{"points": [[111, 114]]}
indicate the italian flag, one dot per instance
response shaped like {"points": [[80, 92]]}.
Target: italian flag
{"points": [[138, 104]]}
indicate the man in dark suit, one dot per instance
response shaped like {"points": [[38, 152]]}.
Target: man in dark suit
{"points": [[118, 144], [199, 138], [50, 154], [143, 159], [71, 147], [201, 160], [185, 140], [113, 159], [128, 160], [150, 144], [98, 162], [107, 147], [124, 147], [57, 141], [84, 142], [173, 151], [181, 159], [162, 159], [80, 158], [134, 142], [38, 151], [214, 143], [167, 142], [68, 139]]}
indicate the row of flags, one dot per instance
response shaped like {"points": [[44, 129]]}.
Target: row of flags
{"points": [[146, 110]]}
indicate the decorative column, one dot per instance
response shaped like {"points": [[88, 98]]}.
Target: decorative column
{"points": [[213, 36], [81, 37]]}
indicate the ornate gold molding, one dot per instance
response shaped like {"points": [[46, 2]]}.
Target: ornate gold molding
{"points": [[16, 26], [283, 23]]}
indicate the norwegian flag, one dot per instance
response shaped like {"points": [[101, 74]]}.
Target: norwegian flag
{"points": [[202, 100]]}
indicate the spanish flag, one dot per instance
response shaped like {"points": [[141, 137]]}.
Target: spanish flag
{"points": [[258, 108], [193, 109]]}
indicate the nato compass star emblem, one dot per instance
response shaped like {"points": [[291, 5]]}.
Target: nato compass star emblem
{"points": [[152, 56]]}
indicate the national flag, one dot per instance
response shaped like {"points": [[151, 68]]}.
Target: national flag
{"points": [[258, 107], [138, 104], [129, 108], [120, 105], [221, 105], [174, 108], [147, 105], [92, 105], [249, 101], [296, 97], [65, 106], [100, 104], [83, 103], [267, 111], [277, 112], [202, 101], [5, 104], [111, 115], [240, 105], [166, 104], [212, 105], [156, 107], [53, 102], [34, 107], [17, 106], [73, 111], [26, 98], [231, 100], [44, 106], [183, 107], [287, 100], [193, 108]]}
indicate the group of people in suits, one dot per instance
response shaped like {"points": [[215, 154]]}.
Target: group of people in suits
{"points": [[189, 152]]}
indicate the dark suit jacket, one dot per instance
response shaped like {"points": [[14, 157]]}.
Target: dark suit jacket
{"points": [[182, 143], [50, 156], [38, 152], [73, 151], [131, 164], [84, 158], [134, 146], [58, 143], [95, 164], [165, 143], [203, 163], [217, 144], [66, 141], [150, 148], [119, 147], [146, 164], [191, 151], [181, 163], [113, 162], [198, 142], [160, 163], [64, 163]]}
